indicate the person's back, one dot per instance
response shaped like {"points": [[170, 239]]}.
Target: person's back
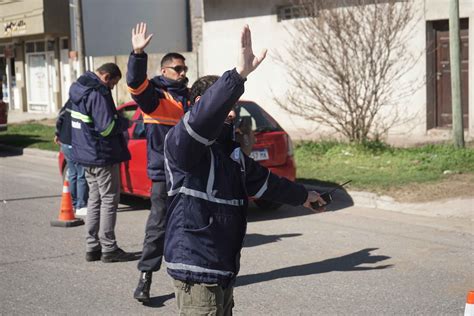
{"points": [[97, 129], [209, 181], [99, 145], [75, 171]]}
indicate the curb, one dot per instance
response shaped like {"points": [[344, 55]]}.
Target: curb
{"points": [[29, 151], [461, 208]]}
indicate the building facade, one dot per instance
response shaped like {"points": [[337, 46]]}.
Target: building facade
{"points": [[40, 41], [34, 46], [429, 108]]}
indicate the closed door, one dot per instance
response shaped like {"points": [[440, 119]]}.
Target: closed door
{"points": [[65, 75], [443, 75]]}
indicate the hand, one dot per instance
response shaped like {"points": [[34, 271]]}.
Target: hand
{"points": [[56, 140], [247, 60], [314, 196], [139, 38]]}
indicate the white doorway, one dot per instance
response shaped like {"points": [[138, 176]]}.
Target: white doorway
{"points": [[65, 70], [40, 77]]}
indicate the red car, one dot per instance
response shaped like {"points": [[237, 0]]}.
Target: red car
{"points": [[260, 135]]}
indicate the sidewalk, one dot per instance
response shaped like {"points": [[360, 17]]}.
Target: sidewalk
{"points": [[16, 116], [460, 207]]}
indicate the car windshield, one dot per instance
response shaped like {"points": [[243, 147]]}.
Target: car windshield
{"points": [[260, 120], [248, 113]]}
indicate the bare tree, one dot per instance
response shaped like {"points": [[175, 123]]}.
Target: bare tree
{"points": [[346, 61]]}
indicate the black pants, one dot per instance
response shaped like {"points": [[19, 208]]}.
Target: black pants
{"points": [[153, 244]]}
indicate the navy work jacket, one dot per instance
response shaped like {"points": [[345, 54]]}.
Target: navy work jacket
{"points": [[97, 137], [163, 103], [208, 187]]}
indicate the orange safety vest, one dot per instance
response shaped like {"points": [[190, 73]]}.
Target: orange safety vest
{"points": [[168, 112]]}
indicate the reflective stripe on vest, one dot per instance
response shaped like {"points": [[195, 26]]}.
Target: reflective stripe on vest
{"points": [[263, 188], [109, 129], [140, 88], [81, 117], [208, 195], [168, 112], [197, 269], [195, 135]]}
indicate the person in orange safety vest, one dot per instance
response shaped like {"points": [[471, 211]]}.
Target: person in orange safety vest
{"points": [[163, 100]]}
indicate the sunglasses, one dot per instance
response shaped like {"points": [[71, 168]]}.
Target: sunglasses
{"points": [[179, 68]]}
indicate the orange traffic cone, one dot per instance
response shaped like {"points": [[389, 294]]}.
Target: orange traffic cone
{"points": [[469, 310], [66, 214]]}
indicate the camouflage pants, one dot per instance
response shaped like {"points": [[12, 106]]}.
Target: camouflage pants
{"points": [[203, 299]]}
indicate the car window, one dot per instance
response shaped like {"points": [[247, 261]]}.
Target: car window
{"points": [[261, 121], [244, 114]]}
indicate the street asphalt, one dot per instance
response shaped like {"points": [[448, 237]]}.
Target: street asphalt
{"points": [[353, 260]]}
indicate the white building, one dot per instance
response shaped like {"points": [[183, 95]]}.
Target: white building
{"points": [[429, 108]]}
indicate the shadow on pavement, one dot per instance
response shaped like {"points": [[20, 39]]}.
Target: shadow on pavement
{"points": [[253, 240], [159, 301], [7, 151], [21, 141], [341, 200], [133, 203], [350, 262]]}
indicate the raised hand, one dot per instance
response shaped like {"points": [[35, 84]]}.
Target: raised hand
{"points": [[248, 62], [139, 38]]}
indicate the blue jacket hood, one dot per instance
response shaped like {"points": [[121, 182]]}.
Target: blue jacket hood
{"points": [[84, 85]]}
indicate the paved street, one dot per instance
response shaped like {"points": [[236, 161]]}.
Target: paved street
{"points": [[351, 261]]}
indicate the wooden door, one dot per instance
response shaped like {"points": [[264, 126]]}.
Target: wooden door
{"points": [[443, 74]]}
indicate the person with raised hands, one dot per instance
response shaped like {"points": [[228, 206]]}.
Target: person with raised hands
{"points": [[163, 101], [209, 180]]}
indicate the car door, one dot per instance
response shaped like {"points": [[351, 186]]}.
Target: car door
{"points": [[134, 172]]}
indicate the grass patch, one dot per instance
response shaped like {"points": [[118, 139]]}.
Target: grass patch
{"points": [[375, 166], [29, 135], [372, 166]]}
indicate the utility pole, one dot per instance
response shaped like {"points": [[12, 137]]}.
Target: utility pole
{"points": [[455, 61], [77, 33]]}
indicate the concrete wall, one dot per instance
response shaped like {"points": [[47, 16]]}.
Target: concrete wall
{"points": [[30, 12], [224, 20], [56, 17], [120, 93], [108, 25]]}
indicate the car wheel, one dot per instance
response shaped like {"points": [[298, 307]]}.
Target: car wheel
{"points": [[267, 205]]}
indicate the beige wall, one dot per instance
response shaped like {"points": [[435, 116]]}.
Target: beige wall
{"points": [[439, 9], [30, 12], [220, 47], [34, 17]]}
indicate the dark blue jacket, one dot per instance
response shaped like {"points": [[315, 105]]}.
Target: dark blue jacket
{"points": [[97, 128], [63, 124], [163, 102], [208, 186]]}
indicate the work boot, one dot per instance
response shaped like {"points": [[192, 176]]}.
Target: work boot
{"points": [[142, 292], [93, 255], [118, 255]]}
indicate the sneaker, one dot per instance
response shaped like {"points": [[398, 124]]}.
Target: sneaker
{"points": [[81, 211], [93, 255], [118, 255], [142, 292]]}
